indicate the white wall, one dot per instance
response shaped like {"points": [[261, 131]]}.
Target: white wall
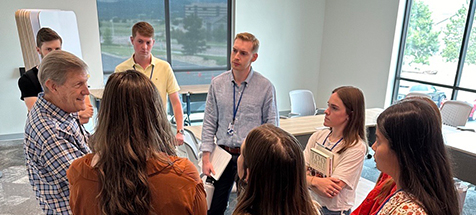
{"points": [[320, 45], [357, 48], [290, 34], [12, 109]]}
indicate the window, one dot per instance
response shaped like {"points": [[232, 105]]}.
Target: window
{"points": [[193, 37], [437, 53]]}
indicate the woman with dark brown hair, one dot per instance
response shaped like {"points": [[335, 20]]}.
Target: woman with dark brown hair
{"points": [[345, 139], [133, 168], [272, 175], [385, 185], [410, 148]]}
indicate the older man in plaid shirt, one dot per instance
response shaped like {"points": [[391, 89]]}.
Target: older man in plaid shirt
{"points": [[53, 135]]}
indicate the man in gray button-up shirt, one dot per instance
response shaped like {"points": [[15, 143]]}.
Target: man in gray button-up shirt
{"points": [[238, 101]]}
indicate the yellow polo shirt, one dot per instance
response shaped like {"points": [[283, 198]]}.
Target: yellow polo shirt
{"points": [[159, 72]]}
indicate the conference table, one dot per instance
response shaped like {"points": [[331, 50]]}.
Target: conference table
{"points": [[97, 96], [188, 91], [461, 146], [303, 127]]}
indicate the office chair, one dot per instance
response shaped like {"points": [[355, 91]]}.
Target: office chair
{"points": [[455, 113], [190, 149], [419, 94], [302, 103]]}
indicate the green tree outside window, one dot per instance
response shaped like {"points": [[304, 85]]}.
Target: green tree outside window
{"points": [[193, 39], [422, 40], [454, 36]]}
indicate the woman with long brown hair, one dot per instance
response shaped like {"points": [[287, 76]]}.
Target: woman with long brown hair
{"points": [[385, 185], [410, 148], [272, 175], [345, 139], [133, 168]]}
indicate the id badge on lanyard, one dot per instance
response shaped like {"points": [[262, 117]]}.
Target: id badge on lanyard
{"points": [[231, 127]]}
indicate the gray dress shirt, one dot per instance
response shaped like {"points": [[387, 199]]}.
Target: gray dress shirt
{"points": [[258, 106]]}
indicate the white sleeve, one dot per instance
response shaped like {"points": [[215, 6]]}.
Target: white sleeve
{"points": [[350, 165]]}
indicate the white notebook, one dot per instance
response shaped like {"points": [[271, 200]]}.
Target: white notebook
{"points": [[219, 159]]}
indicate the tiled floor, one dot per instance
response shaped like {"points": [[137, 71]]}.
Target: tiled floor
{"points": [[17, 197], [16, 194]]}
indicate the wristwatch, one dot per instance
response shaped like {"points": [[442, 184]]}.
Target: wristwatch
{"points": [[180, 131]]}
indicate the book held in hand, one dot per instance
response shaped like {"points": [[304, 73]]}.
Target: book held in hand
{"points": [[321, 160], [220, 159]]}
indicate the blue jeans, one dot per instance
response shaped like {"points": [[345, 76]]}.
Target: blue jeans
{"points": [[326, 211]]}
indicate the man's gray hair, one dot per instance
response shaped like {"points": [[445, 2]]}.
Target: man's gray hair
{"points": [[56, 66]]}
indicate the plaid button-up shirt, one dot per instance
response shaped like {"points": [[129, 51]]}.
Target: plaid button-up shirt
{"points": [[53, 139]]}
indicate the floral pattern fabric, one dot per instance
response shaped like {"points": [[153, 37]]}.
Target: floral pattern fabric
{"points": [[402, 203]]}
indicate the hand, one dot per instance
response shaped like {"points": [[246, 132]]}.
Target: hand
{"points": [[207, 168], [327, 187], [179, 138], [88, 112]]}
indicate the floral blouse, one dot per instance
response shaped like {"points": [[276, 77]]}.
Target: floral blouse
{"points": [[401, 203]]}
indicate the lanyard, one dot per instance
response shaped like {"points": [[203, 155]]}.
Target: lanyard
{"points": [[387, 200], [324, 143], [235, 109], [151, 72]]}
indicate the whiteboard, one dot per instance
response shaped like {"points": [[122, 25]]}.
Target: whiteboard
{"points": [[65, 24]]}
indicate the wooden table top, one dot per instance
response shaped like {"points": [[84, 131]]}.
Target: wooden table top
{"points": [[305, 125], [463, 141], [194, 89], [97, 93]]}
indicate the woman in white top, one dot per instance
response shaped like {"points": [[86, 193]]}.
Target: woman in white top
{"points": [[346, 139]]}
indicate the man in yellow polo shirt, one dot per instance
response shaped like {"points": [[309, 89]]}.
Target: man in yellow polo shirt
{"points": [[159, 71]]}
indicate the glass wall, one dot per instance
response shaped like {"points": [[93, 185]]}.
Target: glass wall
{"points": [[437, 55], [193, 36]]}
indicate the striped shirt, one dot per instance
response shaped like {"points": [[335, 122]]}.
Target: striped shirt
{"points": [[53, 139]]}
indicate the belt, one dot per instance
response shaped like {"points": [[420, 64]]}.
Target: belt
{"points": [[235, 151]]}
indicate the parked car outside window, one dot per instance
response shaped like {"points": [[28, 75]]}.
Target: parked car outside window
{"points": [[437, 96]]}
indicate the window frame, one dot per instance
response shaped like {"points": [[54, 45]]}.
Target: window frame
{"points": [[196, 69], [455, 88], [168, 42]]}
